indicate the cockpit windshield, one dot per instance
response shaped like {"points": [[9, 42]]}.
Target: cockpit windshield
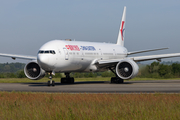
{"points": [[46, 52]]}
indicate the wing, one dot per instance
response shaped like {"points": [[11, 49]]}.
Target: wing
{"points": [[113, 62], [142, 51], [153, 57], [13, 56]]}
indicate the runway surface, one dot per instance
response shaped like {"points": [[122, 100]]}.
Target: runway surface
{"points": [[151, 86]]}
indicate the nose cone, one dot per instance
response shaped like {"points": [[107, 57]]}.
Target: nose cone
{"points": [[43, 61]]}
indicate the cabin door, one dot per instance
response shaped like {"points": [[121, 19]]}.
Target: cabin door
{"points": [[66, 53]]}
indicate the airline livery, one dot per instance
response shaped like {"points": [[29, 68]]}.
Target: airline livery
{"points": [[66, 56]]}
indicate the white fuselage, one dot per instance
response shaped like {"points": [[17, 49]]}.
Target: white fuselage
{"points": [[76, 56]]}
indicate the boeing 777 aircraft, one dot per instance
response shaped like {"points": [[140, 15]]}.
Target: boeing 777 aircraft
{"points": [[66, 56]]}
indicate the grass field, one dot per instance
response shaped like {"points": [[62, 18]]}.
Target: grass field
{"points": [[44, 106], [26, 80]]}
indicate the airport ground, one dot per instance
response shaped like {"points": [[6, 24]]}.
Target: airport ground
{"points": [[92, 85]]}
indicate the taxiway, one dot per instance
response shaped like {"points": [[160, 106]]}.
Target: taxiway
{"points": [[150, 86]]}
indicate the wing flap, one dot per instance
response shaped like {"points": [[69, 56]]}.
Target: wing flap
{"points": [[113, 62], [141, 51], [153, 57], [13, 56]]}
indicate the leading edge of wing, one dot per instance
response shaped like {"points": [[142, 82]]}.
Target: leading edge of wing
{"points": [[13, 56]]}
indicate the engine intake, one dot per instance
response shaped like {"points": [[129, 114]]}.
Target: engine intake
{"points": [[127, 69], [33, 71]]}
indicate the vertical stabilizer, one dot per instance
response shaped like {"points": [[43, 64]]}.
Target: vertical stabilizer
{"points": [[121, 35]]}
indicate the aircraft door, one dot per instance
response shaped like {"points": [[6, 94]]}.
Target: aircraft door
{"points": [[101, 54], [82, 54], [114, 53], [66, 53]]}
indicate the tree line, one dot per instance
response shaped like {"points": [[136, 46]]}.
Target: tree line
{"points": [[154, 70], [160, 70]]}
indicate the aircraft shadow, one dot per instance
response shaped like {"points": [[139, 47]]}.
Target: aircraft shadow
{"points": [[75, 83], [103, 82]]}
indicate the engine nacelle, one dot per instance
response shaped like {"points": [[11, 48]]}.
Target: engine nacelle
{"points": [[127, 69], [33, 71]]}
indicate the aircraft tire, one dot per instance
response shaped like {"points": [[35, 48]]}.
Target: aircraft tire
{"points": [[53, 83], [72, 80], [113, 80], [63, 80], [48, 83], [116, 80], [120, 80]]}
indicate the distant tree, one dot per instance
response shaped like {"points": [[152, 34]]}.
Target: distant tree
{"points": [[107, 74], [20, 74], [153, 67], [176, 69], [58, 75], [165, 71]]}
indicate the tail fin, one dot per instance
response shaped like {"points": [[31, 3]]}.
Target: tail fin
{"points": [[121, 35]]}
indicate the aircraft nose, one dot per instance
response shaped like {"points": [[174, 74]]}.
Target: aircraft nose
{"points": [[43, 61]]}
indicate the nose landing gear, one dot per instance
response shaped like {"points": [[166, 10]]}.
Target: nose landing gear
{"points": [[51, 82]]}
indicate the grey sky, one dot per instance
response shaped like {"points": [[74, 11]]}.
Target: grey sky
{"points": [[25, 25]]}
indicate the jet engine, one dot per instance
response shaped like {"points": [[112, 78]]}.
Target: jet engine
{"points": [[127, 69], [33, 71]]}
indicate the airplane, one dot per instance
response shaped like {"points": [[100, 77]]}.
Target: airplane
{"points": [[66, 56]]}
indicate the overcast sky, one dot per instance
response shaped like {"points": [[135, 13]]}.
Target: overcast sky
{"points": [[25, 25]]}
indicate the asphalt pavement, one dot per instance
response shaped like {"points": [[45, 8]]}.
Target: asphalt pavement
{"points": [[150, 86]]}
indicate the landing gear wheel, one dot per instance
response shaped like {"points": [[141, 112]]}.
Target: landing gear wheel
{"points": [[48, 83], [53, 83], [67, 79], [72, 80], [63, 80], [113, 80], [120, 80], [116, 80]]}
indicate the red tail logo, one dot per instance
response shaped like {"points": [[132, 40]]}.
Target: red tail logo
{"points": [[122, 30]]}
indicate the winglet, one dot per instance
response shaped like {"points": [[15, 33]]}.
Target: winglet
{"points": [[121, 35]]}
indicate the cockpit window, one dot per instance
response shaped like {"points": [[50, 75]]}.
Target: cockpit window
{"points": [[41, 51], [46, 52], [52, 52]]}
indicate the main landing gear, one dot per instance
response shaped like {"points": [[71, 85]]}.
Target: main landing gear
{"points": [[51, 82], [116, 79], [67, 79]]}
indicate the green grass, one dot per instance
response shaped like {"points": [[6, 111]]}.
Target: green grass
{"points": [[26, 80], [38, 106]]}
